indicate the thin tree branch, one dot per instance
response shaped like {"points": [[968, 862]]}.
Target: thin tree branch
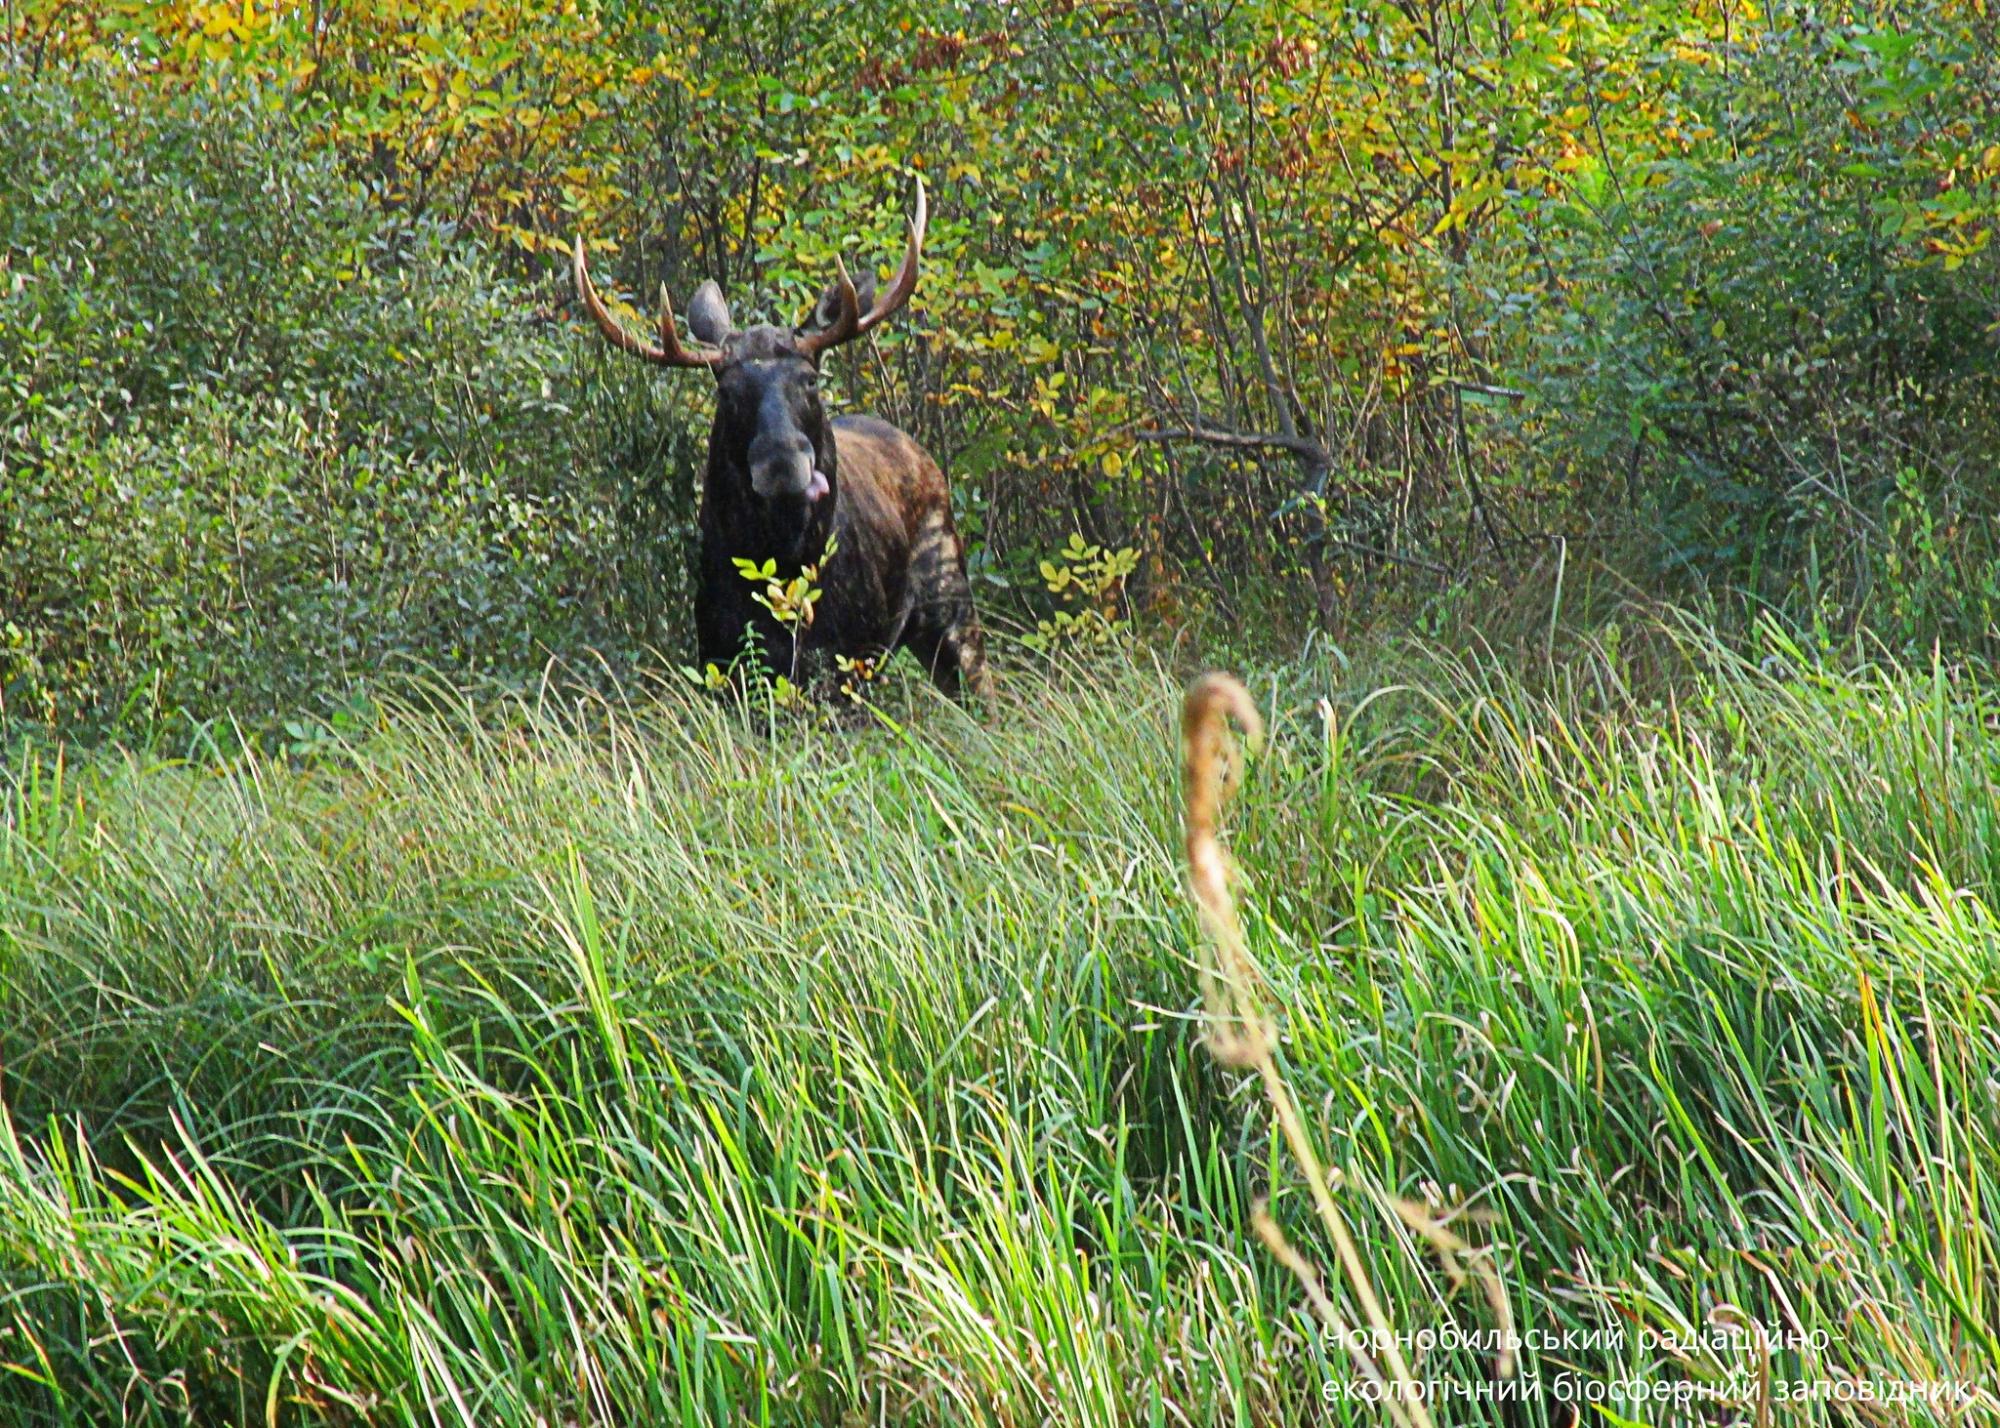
{"points": [[1309, 454]]}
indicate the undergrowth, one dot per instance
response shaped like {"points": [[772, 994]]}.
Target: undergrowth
{"points": [[542, 1059]]}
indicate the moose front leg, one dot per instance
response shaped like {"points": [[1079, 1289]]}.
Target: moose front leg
{"points": [[730, 626]]}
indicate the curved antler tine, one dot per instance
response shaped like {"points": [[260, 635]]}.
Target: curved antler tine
{"points": [[852, 322], [669, 354], [699, 355], [905, 282], [845, 327], [613, 332], [670, 339]]}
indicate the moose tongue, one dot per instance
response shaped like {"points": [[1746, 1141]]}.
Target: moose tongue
{"points": [[817, 487]]}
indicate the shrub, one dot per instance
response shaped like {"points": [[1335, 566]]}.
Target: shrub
{"points": [[258, 435], [1782, 341]]}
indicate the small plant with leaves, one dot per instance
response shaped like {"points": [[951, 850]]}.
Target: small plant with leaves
{"points": [[710, 676], [790, 601], [1090, 580], [856, 673]]}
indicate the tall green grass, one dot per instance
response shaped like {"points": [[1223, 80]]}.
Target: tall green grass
{"points": [[543, 1061]]}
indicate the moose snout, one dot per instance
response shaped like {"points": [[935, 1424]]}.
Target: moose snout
{"points": [[783, 466]]}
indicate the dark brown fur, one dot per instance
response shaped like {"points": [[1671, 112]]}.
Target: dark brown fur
{"points": [[896, 579], [855, 500]]}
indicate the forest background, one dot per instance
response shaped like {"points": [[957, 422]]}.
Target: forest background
{"points": [[1265, 317]]}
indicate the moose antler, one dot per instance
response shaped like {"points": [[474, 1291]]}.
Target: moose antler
{"points": [[670, 352], [853, 322]]}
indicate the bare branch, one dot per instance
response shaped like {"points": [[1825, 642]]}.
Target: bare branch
{"points": [[1313, 459], [1487, 389], [1311, 456]]}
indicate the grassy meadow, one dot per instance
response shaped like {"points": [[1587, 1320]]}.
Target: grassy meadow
{"points": [[547, 1060]]}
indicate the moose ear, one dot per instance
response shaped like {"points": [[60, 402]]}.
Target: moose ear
{"points": [[826, 312], [708, 314]]}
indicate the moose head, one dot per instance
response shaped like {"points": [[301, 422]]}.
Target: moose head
{"points": [[770, 432]]}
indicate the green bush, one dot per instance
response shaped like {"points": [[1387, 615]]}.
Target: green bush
{"points": [[258, 435], [1783, 344]]}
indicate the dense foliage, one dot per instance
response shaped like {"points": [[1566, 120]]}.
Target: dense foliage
{"points": [[1787, 346], [1297, 306], [261, 435]]}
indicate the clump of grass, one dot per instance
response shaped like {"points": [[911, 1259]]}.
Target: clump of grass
{"points": [[538, 1059], [1240, 1034]]}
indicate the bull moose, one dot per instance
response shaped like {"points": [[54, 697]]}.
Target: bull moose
{"points": [[785, 485]]}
